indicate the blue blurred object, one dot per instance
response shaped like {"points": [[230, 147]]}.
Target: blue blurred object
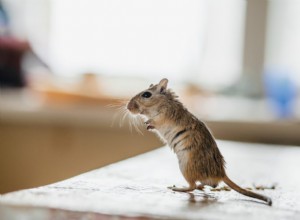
{"points": [[3, 21], [281, 91]]}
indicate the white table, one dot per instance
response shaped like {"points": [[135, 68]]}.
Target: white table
{"points": [[136, 188]]}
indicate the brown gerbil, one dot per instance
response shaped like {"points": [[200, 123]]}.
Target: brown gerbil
{"points": [[199, 157]]}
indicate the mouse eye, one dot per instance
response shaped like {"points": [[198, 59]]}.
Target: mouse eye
{"points": [[146, 94]]}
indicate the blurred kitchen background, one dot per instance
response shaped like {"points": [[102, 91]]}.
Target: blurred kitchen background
{"points": [[65, 67]]}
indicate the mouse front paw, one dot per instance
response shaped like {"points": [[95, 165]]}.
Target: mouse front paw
{"points": [[149, 124], [150, 127]]}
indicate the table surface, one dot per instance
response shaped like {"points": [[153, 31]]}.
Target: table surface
{"points": [[137, 188]]}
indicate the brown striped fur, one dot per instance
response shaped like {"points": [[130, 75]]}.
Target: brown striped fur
{"points": [[198, 155]]}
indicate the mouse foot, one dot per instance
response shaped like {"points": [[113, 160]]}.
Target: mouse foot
{"points": [[200, 187], [183, 189], [224, 188]]}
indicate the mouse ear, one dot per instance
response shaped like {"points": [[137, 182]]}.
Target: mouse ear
{"points": [[162, 85]]}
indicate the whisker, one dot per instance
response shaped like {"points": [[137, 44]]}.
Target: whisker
{"points": [[117, 103], [119, 107], [130, 122], [125, 114], [122, 113], [115, 116], [136, 123], [121, 110]]}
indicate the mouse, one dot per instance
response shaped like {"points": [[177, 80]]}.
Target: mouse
{"points": [[200, 160]]}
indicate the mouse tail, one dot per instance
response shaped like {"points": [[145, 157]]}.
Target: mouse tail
{"points": [[246, 192]]}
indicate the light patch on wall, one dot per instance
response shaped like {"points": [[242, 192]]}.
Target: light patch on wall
{"points": [[199, 41]]}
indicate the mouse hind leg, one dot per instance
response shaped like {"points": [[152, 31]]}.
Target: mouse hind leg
{"points": [[201, 186], [208, 182], [192, 186]]}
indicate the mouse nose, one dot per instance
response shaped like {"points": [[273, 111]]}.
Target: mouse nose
{"points": [[132, 105], [129, 105]]}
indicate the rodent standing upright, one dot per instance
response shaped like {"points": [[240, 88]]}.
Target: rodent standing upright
{"points": [[198, 155]]}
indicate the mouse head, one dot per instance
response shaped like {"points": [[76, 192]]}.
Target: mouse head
{"points": [[148, 101]]}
